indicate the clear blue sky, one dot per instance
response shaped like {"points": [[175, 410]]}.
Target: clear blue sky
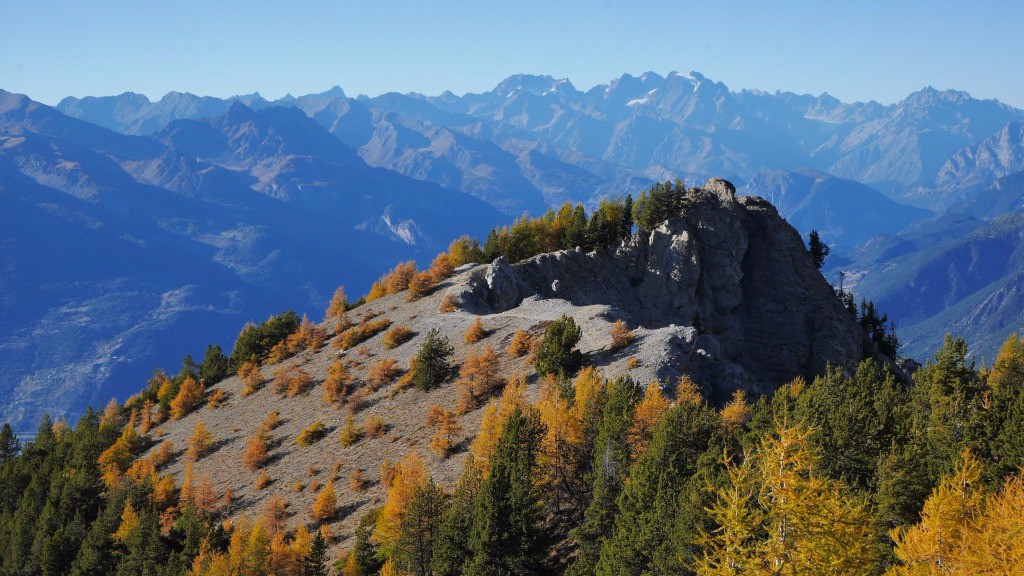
{"points": [[870, 49]]}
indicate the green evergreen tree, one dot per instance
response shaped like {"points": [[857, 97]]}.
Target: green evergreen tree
{"points": [[507, 534], [315, 563], [491, 250], [9, 444], [576, 233], [678, 197], [558, 354], [419, 528], [641, 540], [364, 551], [258, 339], [947, 403], [627, 217], [215, 365], [856, 419], [144, 550], [818, 249], [432, 366], [610, 466], [451, 550]]}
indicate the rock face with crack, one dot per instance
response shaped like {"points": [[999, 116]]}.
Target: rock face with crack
{"points": [[728, 268]]}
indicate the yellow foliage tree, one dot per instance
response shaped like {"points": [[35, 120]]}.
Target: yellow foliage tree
{"points": [[799, 523], [349, 432], [419, 285], [382, 372], [519, 345], [463, 250], [129, 521], [493, 422], [476, 332], [326, 504], [588, 386], [250, 374], [336, 383], [621, 335], [337, 309], [407, 476], [563, 444], [963, 530], [478, 378], [736, 413], [190, 397], [164, 492], [441, 268], [204, 498], [199, 442], [449, 303], [446, 428], [397, 336], [256, 451], [291, 380], [1008, 369], [111, 414], [275, 514]]}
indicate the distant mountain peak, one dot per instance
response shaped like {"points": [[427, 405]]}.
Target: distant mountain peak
{"points": [[239, 112], [334, 92]]}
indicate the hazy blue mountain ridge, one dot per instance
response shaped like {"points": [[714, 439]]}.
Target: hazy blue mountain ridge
{"points": [[115, 264]]}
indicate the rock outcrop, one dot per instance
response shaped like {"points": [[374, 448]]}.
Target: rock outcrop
{"points": [[729, 267]]}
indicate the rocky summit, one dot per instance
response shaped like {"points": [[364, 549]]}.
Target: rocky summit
{"points": [[727, 287]]}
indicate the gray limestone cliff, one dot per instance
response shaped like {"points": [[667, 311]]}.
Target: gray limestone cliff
{"points": [[750, 309]]}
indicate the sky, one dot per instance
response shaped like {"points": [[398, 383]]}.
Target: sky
{"points": [[865, 50]]}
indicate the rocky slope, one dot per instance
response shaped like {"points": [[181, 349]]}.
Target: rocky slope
{"points": [[725, 293]]}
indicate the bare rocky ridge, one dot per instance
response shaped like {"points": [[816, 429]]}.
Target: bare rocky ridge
{"points": [[725, 293], [730, 270]]}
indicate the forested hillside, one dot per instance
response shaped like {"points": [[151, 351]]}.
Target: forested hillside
{"points": [[481, 419]]}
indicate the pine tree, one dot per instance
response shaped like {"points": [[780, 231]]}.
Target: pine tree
{"points": [[558, 354], [315, 563], [431, 366], [610, 466], [507, 533], [215, 365], [641, 539], [576, 233], [818, 249], [451, 551], [418, 529], [9, 445], [627, 217]]}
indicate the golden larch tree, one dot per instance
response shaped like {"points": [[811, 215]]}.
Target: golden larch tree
{"points": [[190, 396]]}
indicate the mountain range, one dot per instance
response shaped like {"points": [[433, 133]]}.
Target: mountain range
{"points": [[135, 231]]}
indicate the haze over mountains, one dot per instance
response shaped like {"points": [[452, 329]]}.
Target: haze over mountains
{"points": [[136, 231]]}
